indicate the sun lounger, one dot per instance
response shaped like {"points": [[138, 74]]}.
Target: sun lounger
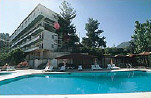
{"points": [[10, 68], [95, 67], [80, 67], [48, 69], [114, 67], [109, 66], [63, 68], [98, 67]]}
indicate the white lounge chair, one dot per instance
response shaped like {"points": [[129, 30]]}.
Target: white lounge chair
{"points": [[98, 67], [80, 67], [114, 67], [109, 66], [93, 67], [47, 69], [10, 68], [63, 68]]}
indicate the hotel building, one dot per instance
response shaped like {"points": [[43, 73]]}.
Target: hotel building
{"points": [[36, 36]]}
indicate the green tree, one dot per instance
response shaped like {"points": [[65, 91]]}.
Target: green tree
{"points": [[93, 34], [18, 55], [116, 51], [67, 29], [141, 39]]}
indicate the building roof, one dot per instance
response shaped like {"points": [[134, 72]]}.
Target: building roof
{"points": [[76, 56], [38, 6]]}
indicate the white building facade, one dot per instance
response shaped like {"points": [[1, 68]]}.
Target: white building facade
{"points": [[36, 36]]}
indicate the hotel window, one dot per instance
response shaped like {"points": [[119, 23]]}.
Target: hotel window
{"points": [[52, 36], [42, 45], [22, 26], [42, 36], [52, 46]]}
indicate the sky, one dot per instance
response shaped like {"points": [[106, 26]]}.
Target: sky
{"points": [[117, 17]]}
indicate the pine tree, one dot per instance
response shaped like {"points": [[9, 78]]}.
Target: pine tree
{"points": [[93, 39], [67, 29]]}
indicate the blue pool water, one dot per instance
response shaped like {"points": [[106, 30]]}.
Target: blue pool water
{"points": [[78, 83]]}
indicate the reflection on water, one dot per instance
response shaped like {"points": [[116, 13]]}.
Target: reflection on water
{"points": [[78, 83]]}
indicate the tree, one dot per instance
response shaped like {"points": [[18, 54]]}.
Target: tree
{"points": [[17, 55], [116, 51], [141, 39], [13, 57], [4, 42], [93, 38], [67, 30]]}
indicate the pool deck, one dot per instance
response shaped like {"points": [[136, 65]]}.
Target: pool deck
{"points": [[115, 95]]}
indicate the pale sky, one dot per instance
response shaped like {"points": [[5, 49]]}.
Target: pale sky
{"points": [[117, 17]]}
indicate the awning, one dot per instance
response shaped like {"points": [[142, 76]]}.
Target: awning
{"points": [[76, 56], [144, 54]]}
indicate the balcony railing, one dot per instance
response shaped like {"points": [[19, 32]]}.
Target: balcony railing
{"points": [[28, 26], [27, 35], [31, 49], [30, 41]]}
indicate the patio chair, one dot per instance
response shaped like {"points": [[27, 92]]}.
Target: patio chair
{"points": [[63, 68], [114, 67], [10, 68], [109, 66], [80, 68], [97, 67], [48, 69], [93, 67]]}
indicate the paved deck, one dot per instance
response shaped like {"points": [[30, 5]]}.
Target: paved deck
{"points": [[120, 95], [115, 95]]}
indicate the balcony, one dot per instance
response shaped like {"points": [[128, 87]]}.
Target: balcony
{"points": [[31, 49], [29, 42], [29, 26], [37, 30]]}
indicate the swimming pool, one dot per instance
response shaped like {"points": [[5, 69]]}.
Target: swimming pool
{"points": [[78, 83]]}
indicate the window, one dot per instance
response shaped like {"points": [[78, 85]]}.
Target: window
{"points": [[52, 36], [52, 46], [42, 46], [22, 26], [42, 36]]}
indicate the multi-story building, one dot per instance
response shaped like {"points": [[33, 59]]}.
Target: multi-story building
{"points": [[36, 36]]}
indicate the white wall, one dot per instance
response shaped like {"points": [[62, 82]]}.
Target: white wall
{"points": [[48, 41]]}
